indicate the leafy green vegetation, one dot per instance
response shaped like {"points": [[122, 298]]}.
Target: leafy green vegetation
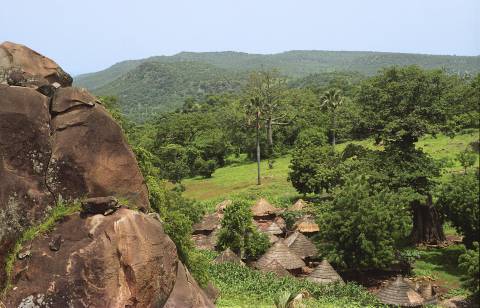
{"points": [[238, 178], [363, 225], [468, 262], [59, 211], [459, 202], [440, 264], [244, 287], [239, 233]]}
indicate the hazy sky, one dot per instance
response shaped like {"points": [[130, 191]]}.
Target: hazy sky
{"points": [[89, 35]]}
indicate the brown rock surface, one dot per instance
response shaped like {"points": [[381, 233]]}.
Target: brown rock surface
{"points": [[90, 156], [29, 68], [77, 151], [121, 260], [24, 156], [55, 141]]}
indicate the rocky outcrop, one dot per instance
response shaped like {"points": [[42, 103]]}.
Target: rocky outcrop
{"points": [[59, 141], [106, 261], [22, 66]]}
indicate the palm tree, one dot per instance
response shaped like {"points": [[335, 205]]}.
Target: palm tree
{"points": [[331, 100]]}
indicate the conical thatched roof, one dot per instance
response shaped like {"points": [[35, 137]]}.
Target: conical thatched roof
{"points": [[228, 256], [399, 293], [274, 229], [277, 268], [263, 208], [272, 238], [298, 206], [306, 224], [208, 223], [283, 255], [301, 245], [219, 208], [324, 273]]}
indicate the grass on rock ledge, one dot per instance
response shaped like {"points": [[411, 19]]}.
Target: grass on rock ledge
{"points": [[61, 209]]}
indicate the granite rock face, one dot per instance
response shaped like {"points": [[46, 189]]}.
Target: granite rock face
{"points": [[57, 141]]}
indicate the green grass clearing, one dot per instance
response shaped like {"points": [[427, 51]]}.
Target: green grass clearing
{"points": [[240, 179]]}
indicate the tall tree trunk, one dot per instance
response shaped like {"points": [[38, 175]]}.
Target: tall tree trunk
{"points": [[258, 147], [334, 128], [427, 223], [270, 135]]}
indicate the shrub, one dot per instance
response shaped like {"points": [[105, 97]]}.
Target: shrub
{"points": [[314, 169], [311, 137], [239, 233], [178, 215], [363, 225], [458, 200], [469, 262], [205, 168]]}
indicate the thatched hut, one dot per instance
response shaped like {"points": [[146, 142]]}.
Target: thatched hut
{"points": [[399, 293], [283, 255], [207, 224], [301, 245], [228, 256], [268, 226], [264, 210], [324, 273], [306, 225], [276, 268], [219, 208], [272, 238], [298, 206]]}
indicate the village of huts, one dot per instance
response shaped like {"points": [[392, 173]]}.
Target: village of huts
{"points": [[293, 253]]}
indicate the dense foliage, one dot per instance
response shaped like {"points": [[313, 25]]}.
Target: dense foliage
{"points": [[236, 281], [239, 233], [469, 263], [458, 200], [363, 225]]}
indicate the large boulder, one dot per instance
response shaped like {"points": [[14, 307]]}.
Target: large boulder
{"points": [[121, 260], [59, 142], [23, 66], [24, 158], [90, 156]]}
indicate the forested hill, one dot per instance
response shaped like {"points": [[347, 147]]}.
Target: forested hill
{"points": [[161, 83], [153, 87]]}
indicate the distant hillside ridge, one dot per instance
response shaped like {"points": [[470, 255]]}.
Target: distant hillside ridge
{"points": [[296, 63], [161, 83]]}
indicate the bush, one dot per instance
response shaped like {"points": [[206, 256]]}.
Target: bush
{"points": [[205, 168], [469, 262], [363, 226], [314, 169], [239, 233], [458, 201], [309, 137], [178, 215]]}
